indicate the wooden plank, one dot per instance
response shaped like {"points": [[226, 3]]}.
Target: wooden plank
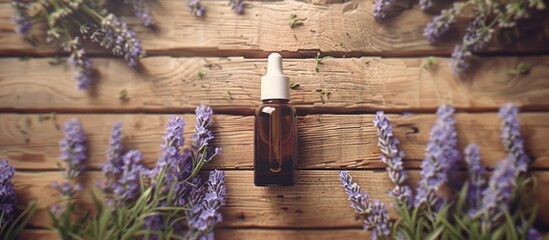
{"points": [[238, 234], [317, 201], [326, 141], [164, 84], [340, 29]]}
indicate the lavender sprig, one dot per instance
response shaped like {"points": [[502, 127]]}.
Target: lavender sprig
{"points": [[441, 23], [476, 178], [204, 213], [121, 39], [237, 6], [73, 148], [142, 12], [389, 8], [128, 186], [196, 8], [497, 196], [374, 213], [203, 136], [513, 141], [113, 165], [392, 157], [441, 157], [81, 63], [21, 17], [7, 194]]}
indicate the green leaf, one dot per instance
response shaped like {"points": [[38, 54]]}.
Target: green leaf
{"points": [[434, 235], [510, 226], [294, 85]]}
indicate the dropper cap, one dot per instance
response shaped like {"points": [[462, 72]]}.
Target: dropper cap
{"points": [[275, 85]]}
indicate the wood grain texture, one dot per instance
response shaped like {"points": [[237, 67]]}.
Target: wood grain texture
{"points": [[326, 141], [340, 28], [317, 201], [164, 84], [238, 234]]}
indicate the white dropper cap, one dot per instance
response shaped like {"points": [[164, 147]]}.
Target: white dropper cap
{"points": [[275, 85]]}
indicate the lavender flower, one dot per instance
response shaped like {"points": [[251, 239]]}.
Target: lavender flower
{"points": [[7, 193], [389, 8], [497, 196], [511, 137], [237, 6], [114, 34], [476, 172], [375, 214], [460, 59], [392, 157], [142, 12], [171, 149], [21, 17], [202, 136], [127, 188], [114, 163], [425, 4], [440, 24], [533, 234], [82, 63], [205, 214], [442, 155], [196, 8], [478, 34], [67, 190], [73, 149]]}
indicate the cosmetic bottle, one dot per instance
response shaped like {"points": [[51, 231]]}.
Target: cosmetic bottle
{"points": [[275, 141]]}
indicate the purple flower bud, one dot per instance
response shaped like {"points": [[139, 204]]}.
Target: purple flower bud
{"points": [[389, 8], [392, 157], [205, 206], [73, 148], [7, 193], [497, 196], [21, 17], [441, 157], [511, 137], [142, 12], [476, 178], [440, 24], [237, 6], [128, 186], [374, 214], [196, 8], [460, 59]]}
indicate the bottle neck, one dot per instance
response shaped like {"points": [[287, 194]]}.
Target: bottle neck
{"points": [[276, 101]]}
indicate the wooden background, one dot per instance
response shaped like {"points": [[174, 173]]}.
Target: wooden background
{"points": [[373, 66]]}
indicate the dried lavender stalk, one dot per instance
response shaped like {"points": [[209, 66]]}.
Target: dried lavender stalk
{"points": [[392, 157], [375, 215]]}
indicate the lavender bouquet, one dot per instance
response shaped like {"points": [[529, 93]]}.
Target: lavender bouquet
{"points": [[69, 23], [500, 207], [11, 223], [156, 203], [485, 17]]}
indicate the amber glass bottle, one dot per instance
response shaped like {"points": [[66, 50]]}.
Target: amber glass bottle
{"points": [[275, 130]]}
